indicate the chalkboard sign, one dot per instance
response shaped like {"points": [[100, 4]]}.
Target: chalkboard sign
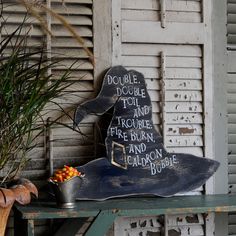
{"points": [[136, 162]]}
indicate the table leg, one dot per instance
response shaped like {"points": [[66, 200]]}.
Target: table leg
{"points": [[101, 223], [30, 227], [22, 227]]}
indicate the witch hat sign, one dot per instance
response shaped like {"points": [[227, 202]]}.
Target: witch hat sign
{"points": [[136, 161]]}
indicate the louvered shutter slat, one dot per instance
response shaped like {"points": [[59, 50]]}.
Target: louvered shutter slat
{"points": [[141, 15], [231, 20], [65, 42], [74, 1], [231, 7], [173, 84], [174, 5], [154, 50], [154, 61], [75, 20], [187, 130], [231, 128], [71, 9]]}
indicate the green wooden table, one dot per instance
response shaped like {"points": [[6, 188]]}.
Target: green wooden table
{"points": [[106, 212]]}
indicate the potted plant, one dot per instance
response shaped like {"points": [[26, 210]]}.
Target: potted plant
{"points": [[26, 88]]}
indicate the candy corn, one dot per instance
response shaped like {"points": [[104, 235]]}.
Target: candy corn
{"points": [[66, 173]]}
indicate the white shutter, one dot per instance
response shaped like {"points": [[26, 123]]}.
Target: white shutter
{"points": [[231, 95], [169, 41], [69, 147]]}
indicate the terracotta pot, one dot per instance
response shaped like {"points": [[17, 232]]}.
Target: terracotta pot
{"points": [[4, 213], [20, 191]]}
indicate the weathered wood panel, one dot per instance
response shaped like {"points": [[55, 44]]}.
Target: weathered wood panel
{"points": [[231, 118], [69, 53], [59, 31], [144, 49], [172, 73], [186, 129], [183, 84], [180, 96], [231, 34], [176, 225], [152, 32], [231, 7], [154, 15], [184, 141], [74, 65], [191, 150], [68, 145], [76, 74], [72, 9], [232, 148], [232, 169], [32, 31], [154, 61], [232, 157], [232, 138], [73, 20], [230, 62], [172, 84], [231, 98], [63, 152], [184, 118], [136, 225], [173, 5], [196, 230], [75, 1], [232, 178], [176, 96], [183, 79], [183, 220], [183, 107], [70, 42], [231, 128]]}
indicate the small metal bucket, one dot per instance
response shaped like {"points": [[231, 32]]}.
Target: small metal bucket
{"points": [[65, 192]]}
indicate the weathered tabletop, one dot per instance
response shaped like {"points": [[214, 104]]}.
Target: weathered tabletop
{"points": [[105, 212]]}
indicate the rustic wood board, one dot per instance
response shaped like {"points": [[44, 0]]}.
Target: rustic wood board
{"points": [[137, 162], [133, 206]]}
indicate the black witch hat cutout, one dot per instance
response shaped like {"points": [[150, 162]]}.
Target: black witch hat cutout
{"points": [[136, 162]]}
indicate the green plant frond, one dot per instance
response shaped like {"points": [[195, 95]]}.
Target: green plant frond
{"points": [[26, 89]]}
